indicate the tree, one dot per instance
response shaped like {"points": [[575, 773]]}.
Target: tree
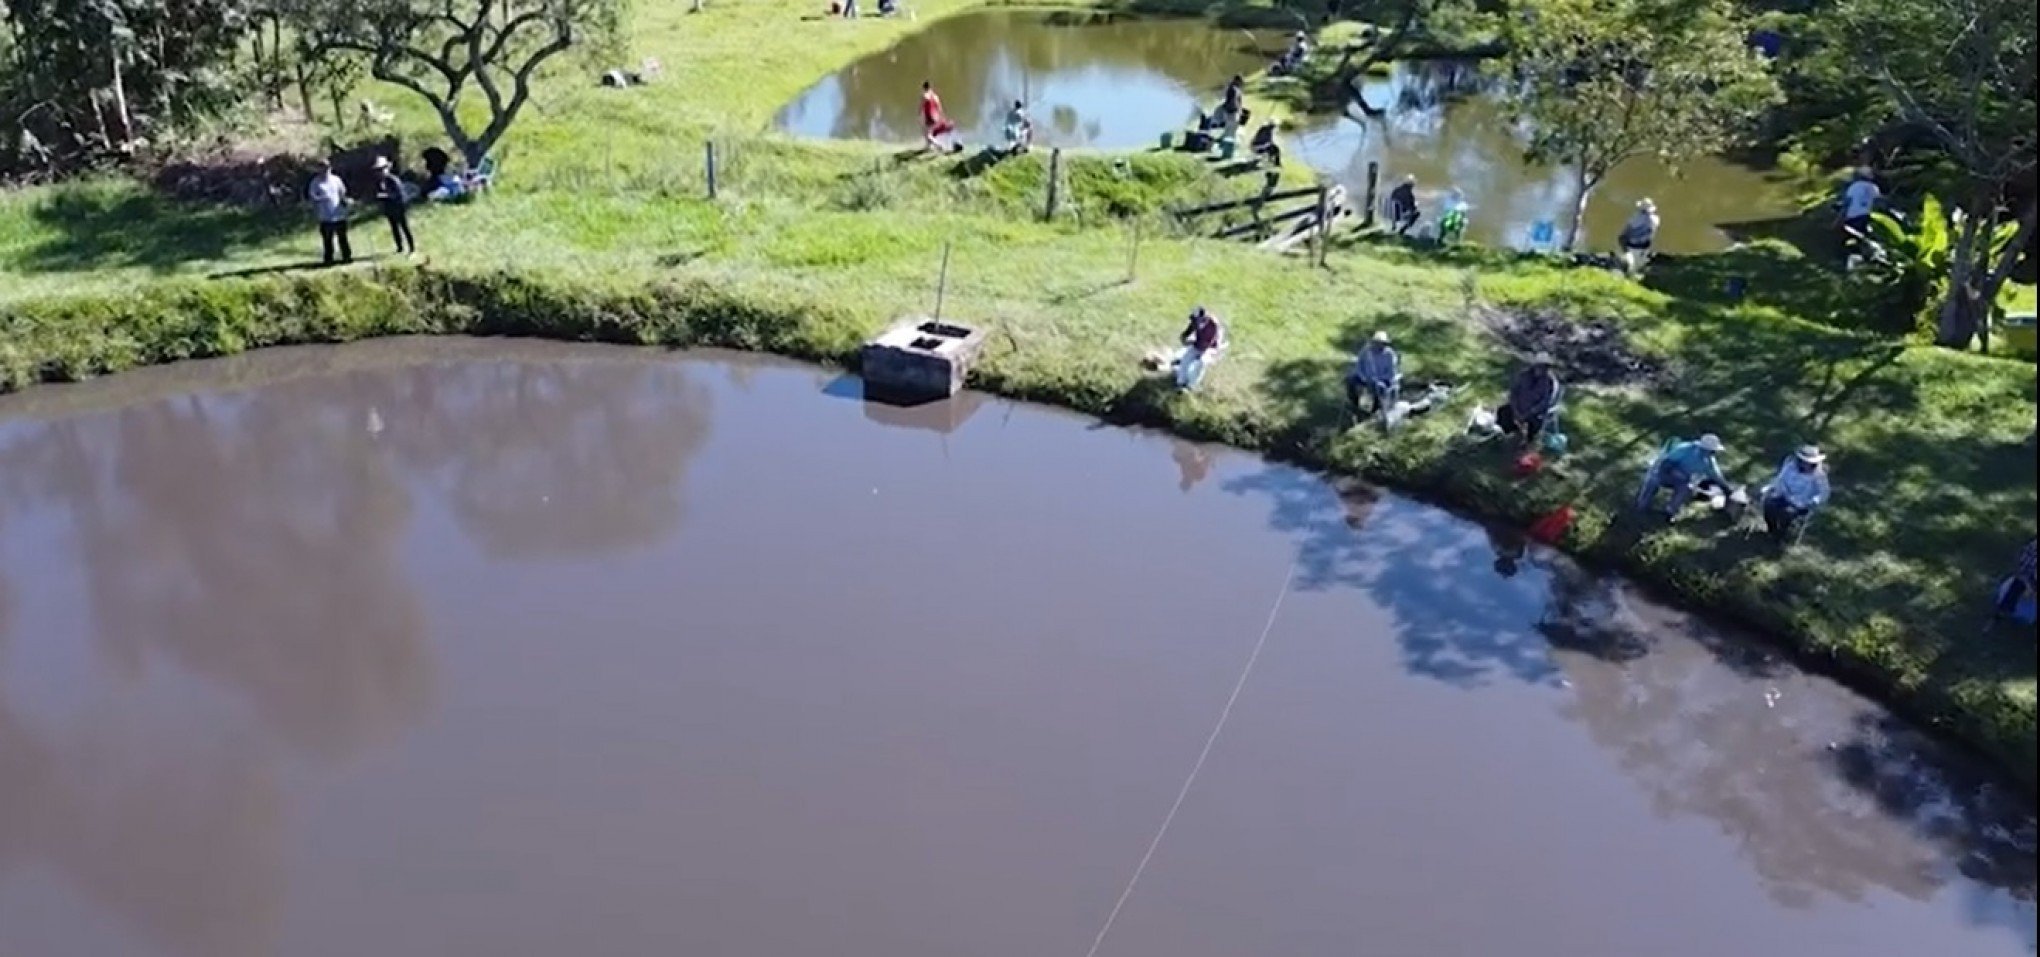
{"points": [[1600, 82], [85, 78], [1962, 73], [442, 49]]}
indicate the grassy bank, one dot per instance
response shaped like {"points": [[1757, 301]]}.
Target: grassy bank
{"points": [[602, 231]]}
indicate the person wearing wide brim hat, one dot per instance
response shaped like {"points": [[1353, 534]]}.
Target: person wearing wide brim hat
{"points": [[395, 200], [1683, 468], [1377, 375], [1798, 491]]}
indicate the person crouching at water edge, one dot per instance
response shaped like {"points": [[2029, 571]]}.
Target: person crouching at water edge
{"points": [[1203, 342], [935, 124]]}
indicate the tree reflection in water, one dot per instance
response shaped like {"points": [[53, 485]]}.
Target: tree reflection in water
{"points": [[254, 541]]}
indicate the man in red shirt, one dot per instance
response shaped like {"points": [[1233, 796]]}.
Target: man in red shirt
{"points": [[934, 123]]}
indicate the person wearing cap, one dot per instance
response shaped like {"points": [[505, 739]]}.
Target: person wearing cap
{"points": [[1682, 468], [1800, 487], [1402, 206], [1203, 340], [1533, 396], [396, 205], [329, 202], [1377, 374], [1639, 234]]}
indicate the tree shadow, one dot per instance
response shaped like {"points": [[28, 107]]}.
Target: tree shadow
{"points": [[1450, 623], [978, 163], [1769, 273], [97, 228]]}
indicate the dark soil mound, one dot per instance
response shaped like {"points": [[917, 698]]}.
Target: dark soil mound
{"points": [[1593, 351]]}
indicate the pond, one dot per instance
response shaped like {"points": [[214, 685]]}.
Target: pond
{"points": [[1120, 83], [1096, 81], [520, 648], [1441, 123]]}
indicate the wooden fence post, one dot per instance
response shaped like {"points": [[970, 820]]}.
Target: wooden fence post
{"points": [[710, 150], [1373, 183], [1054, 182], [942, 282], [1324, 225]]}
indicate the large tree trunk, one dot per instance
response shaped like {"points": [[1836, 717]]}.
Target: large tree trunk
{"points": [[1958, 318], [120, 103]]}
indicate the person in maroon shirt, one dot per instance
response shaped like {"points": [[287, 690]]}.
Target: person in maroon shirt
{"points": [[1203, 340]]}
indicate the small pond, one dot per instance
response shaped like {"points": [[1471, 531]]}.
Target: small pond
{"points": [[1439, 122], [1119, 83], [1110, 83]]}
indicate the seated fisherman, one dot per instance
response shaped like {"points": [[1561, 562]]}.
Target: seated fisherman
{"points": [[1683, 467], [1800, 488], [1203, 341], [1533, 397], [1299, 48], [1019, 129], [1376, 374]]}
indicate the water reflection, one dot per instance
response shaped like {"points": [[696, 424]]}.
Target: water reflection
{"points": [[1819, 791], [1118, 83], [550, 459], [184, 841], [253, 542]]}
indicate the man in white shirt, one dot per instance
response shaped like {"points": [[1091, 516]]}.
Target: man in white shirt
{"points": [[1859, 200], [329, 203], [1800, 487]]}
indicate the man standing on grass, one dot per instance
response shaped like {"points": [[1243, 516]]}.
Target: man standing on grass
{"points": [[396, 205], [329, 203]]}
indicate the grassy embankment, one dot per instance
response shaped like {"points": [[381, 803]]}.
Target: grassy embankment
{"points": [[601, 232]]}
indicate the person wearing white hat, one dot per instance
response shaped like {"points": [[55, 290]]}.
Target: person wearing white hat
{"points": [[1639, 235], [1799, 489], [1683, 467], [395, 200], [1376, 374], [329, 202]]}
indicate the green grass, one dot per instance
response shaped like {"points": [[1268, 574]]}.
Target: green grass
{"points": [[602, 232]]}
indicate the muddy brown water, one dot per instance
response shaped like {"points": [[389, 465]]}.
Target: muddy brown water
{"points": [[523, 649], [1123, 82], [1087, 81]]}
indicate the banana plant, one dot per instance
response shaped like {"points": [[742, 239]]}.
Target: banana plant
{"points": [[1917, 260]]}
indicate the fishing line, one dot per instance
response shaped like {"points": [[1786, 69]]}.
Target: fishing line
{"points": [[1224, 714]]}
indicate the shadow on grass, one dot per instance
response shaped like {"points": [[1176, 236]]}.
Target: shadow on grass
{"points": [[1769, 273], [94, 228]]}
